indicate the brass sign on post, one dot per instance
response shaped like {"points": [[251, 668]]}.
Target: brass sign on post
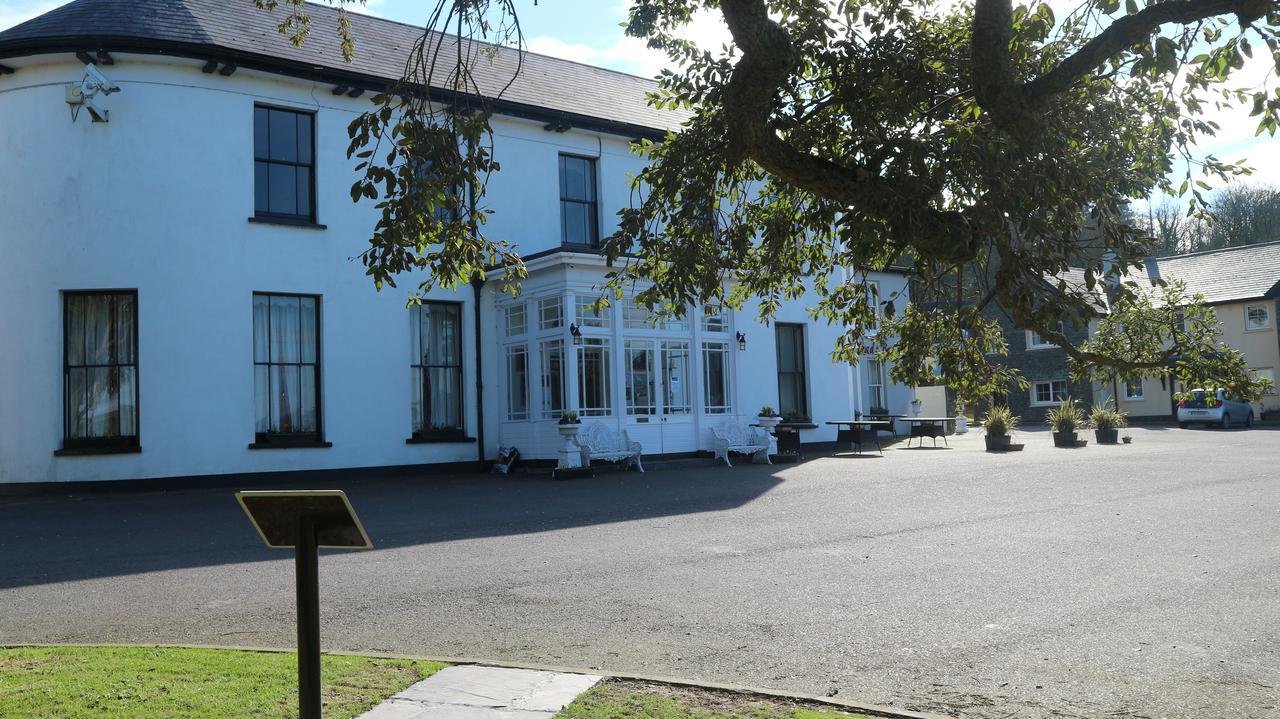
{"points": [[305, 521]]}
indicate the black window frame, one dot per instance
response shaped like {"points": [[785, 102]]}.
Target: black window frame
{"points": [[459, 432], [593, 204], [99, 445], [802, 364], [275, 440], [283, 217]]}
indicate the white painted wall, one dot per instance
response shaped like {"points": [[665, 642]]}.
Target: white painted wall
{"points": [[157, 200]]}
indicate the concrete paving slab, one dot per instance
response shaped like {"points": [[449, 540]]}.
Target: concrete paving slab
{"points": [[476, 692]]}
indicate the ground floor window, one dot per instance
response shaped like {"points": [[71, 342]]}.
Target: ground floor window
{"points": [[878, 403], [552, 358], [1268, 373], [518, 382], [286, 367], [793, 398], [641, 397], [1050, 392], [1133, 390], [594, 396], [436, 338], [100, 370], [715, 378]]}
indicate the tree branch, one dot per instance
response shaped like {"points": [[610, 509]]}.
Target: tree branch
{"points": [[768, 58], [1013, 104]]}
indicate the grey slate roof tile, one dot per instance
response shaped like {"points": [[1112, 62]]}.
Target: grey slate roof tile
{"points": [[382, 48]]}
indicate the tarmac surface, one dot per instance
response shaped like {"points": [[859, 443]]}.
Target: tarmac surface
{"points": [[1107, 581]]}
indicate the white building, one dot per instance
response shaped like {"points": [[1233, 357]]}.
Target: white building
{"points": [[178, 294]]}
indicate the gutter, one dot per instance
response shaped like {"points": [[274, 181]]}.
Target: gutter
{"points": [[309, 71]]}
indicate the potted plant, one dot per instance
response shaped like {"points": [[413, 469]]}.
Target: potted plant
{"points": [[1065, 419], [1106, 423], [916, 406], [999, 423], [768, 418]]}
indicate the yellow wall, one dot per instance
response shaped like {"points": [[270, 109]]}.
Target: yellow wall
{"points": [[1260, 347]]}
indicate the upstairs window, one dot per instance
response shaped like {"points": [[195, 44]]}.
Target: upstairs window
{"points": [[100, 377], [1257, 317], [579, 223], [284, 181]]}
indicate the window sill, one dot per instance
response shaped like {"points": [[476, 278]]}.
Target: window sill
{"points": [[89, 451], [304, 224], [1032, 348], [291, 445], [444, 439]]}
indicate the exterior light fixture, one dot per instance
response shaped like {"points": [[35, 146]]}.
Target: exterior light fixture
{"points": [[742, 342], [577, 333]]}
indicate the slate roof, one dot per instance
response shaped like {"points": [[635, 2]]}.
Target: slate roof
{"points": [[236, 30], [1234, 274]]}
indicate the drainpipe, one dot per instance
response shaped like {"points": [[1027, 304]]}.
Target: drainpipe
{"points": [[476, 285]]}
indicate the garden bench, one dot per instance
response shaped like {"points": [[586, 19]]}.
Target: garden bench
{"points": [[602, 442], [733, 436]]}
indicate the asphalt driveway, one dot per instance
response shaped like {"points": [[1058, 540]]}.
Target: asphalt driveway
{"points": [[1128, 581]]}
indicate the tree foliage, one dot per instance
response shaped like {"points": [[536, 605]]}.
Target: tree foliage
{"points": [[967, 144], [1238, 214]]}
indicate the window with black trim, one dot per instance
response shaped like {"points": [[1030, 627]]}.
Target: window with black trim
{"points": [[286, 369], [793, 386], [579, 223], [436, 337], [100, 370], [284, 180]]}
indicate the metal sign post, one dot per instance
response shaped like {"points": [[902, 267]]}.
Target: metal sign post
{"points": [[306, 520]]}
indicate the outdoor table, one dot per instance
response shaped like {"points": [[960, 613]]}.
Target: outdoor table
{"points": [[931, 427], [860, 431]]}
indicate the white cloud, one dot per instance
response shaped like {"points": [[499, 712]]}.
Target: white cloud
{"points": [[629, 54], [368, 7], [20, 11]]}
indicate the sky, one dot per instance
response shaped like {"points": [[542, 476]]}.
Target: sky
{"points": [[590, 31]]}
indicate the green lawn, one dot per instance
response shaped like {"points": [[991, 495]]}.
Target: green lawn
{"points": [[147, 683], [619, 699]]}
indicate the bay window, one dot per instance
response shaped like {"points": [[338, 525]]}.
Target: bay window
{"points": [[552, 378], [594, 397], [641, 398], [715, 378], [518, 383], [675, 378]]}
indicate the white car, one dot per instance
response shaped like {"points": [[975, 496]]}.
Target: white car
{"points": [[1213, 407]]}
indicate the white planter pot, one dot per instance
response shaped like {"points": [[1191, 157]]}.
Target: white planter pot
{"points": [[570, 453], [768, 422], [917, 407], [962, 424]]}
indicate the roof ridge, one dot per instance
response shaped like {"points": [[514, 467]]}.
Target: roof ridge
{"points": [[379, 18], [1200, 253]]}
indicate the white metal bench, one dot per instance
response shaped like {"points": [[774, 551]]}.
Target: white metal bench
{"points": [[599, 441], [733, 436]]}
